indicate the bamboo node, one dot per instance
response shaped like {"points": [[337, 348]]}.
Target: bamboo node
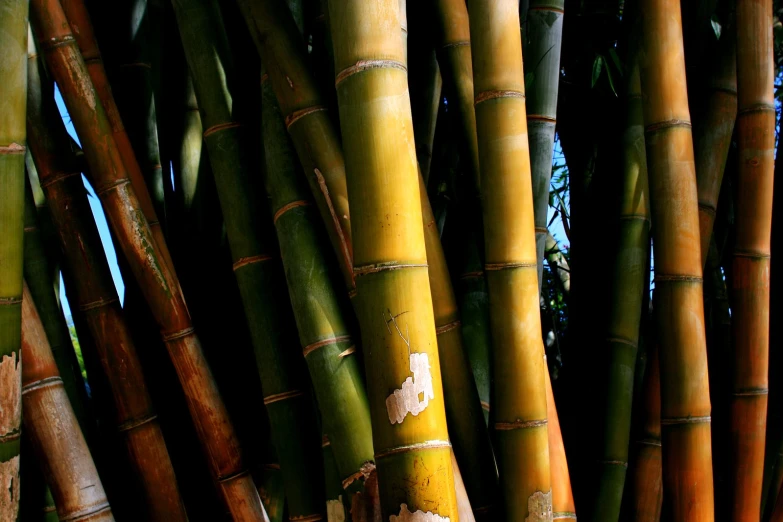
{"points": [[242, 261], [232, 476], [546, 8], [761, 107], [484, 406], [220, 127], [168, 337], [751, 255], [751, 392], [31, 229], [298, 115], [674, 421], [461, 43], [541, 230], [491, 95], [622, 463], [623, 340], [320, 344], [542, 118], [635, 217], [675, 278], [10, 301], [654, 127], [10, 437], [135, 423], [86, 514], [520, 425], [306, 518], [506, 266], [447, 327], [418, 446], [563, 515], [364, 471], [707, 208], [380, 267], [277, 397], [97, 304], [285, 208], [46, 382], [472, 275], [12, 149], [113, 185], [47, 180], [649, 442], [365, 65], [52, 43]]}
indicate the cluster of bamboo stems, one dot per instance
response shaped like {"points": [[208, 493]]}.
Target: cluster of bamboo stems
{"points": [[331, 220]]}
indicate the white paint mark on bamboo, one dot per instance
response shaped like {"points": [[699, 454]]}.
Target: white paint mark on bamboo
{"points": [[539, 507], [335, 511], [406, 400], [10, 394], [419, 516], [9, 490]]}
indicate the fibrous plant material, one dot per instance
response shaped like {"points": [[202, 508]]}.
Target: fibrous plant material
{"points": [[156, 280], [282, 373], [96, 297], [390, 262], [56, 439], [520, 406], [685, 398], [13, 86], [542, 30], [321, 309], [712, 133], [82, 31], [624, 319], [750, 265]]}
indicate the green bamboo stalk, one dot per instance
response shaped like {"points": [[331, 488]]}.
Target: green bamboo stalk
{"points": [[13, 87], [323, 315], [150, 268], [283, 382], [390, 263], [542, 37], [124, 34], [628, 287], [54, 433], [520, 406], [685, 400], [37, 274]]}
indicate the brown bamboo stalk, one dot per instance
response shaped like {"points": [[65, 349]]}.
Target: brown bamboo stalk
{"points": [[96, 297], [750, 273], [563, 507], [81, 26], [156, 280], [49, 420], [685, 400]]}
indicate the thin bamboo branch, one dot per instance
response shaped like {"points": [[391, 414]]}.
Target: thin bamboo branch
{"points": [[57, 441]]}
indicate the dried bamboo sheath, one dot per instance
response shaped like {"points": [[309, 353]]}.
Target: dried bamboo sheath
{"points": [[750, 273], [53, 430], [390, 263], [685, 400], [520, 406], [13, 71], [158, 282]]}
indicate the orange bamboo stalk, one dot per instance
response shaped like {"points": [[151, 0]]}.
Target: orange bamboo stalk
{"points": [[156, 280], [685, 398], [751, 257], [53, 430], [563, 507], [82, 31]]}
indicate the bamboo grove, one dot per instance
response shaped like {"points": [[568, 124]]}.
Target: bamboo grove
{"points": [[389, 260]]}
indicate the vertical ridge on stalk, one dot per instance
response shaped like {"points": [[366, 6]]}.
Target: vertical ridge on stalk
{"points": [[750, 265], [520, 405], [685, 400]]}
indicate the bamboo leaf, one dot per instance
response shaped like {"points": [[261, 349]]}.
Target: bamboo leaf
{"points": [[716, 27], [610, 78], [617, 62], [597, 66]]}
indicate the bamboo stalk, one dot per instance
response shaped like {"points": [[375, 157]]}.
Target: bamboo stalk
{"points": [[558, 263], [95, 295], [390, 264], [323, 315], [750, 273], [563, 507], [13, 71], [645, 485], [541, 39], [57, 441], [159, 284], [282, 375], [628, 280], [83, 33], [685, 401], [316, 140], [713, 129], [520, 409]]}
